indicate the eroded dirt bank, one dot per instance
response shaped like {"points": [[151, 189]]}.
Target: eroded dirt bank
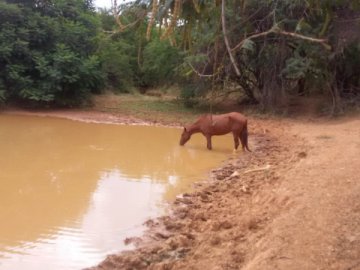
{"points": [[215, 226], [293, 203]]}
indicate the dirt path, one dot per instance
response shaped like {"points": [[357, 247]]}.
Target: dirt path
{"points": [[293, 203], [321, 228]]}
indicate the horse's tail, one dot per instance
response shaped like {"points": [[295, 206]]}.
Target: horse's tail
{"points": [[244, 137]]}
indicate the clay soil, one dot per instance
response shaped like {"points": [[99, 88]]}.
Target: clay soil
{"points": [[292, 203]]}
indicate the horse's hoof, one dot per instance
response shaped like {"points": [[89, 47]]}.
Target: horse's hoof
{"points": [[234, 151]]}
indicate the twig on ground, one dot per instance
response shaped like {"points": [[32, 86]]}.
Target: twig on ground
{"points": [[267, 167]]}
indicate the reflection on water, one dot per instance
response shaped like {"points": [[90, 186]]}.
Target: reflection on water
{"points": [[71, 192]]}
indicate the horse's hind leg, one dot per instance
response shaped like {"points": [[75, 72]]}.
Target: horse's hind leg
{"points": [[244, 139], [243, 143], [236, 140]]}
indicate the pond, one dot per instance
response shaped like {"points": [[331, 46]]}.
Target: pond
{"points": [[71, 192]]}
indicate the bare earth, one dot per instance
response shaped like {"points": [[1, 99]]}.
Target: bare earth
{"points": [[293, 203]]}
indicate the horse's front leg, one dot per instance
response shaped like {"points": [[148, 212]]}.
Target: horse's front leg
{"points": [[208, 139]]}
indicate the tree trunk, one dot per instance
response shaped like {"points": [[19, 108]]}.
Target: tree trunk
{"points": [[232, 59], [239, 78], [336, 99], [301, 87]]}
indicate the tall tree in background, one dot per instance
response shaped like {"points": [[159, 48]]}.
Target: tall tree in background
{"points": [[269, 48]]}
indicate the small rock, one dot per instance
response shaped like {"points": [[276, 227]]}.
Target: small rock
{"points": [[183, 200], [226, 225], [234, 174], [162, 235], [215, 240]]}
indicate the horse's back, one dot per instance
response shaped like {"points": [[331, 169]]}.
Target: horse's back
{"points": [[219, 124], [237, 117]]}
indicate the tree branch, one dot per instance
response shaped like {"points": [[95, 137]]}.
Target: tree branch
{"points": [[152, 19], [285, 33], [199, 74], [237, 71], [117, 17]]}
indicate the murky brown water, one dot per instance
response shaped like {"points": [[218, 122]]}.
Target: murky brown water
{"points": [[71, 192]]}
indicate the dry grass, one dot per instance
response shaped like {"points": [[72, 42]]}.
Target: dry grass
{"points": [[155, 108]]}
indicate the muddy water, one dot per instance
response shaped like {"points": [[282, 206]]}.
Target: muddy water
{"points": [[71, 191]]}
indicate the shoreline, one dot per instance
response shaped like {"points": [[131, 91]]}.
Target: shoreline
{"points": [[261, 210], [168, 237]]}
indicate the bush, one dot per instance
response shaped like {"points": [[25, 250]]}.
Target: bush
{"points": [[117, 63], [47, 52], [160, 62]]}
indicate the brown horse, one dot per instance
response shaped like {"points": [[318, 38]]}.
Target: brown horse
{"points": [[210, 125]]}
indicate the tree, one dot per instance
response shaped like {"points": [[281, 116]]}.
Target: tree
{"points": [[47, 53]]}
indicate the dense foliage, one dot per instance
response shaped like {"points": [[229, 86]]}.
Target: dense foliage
{"points": [[61, 51], [131, 60], [47, 51], [273, 50]]}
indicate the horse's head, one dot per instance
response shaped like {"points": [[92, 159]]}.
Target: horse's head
{"points": [[185, 136]]}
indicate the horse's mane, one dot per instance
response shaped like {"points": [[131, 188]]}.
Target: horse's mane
{"points": [[203, 117]]}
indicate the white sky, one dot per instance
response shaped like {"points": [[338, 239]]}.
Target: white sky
{"points": [[103, 3], [107, 3]]}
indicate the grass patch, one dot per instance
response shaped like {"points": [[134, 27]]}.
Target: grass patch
{"points": [[167, 109], [158, 109]]}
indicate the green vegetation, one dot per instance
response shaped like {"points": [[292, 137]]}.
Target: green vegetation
{"points": [[47, 51], [60, 52], [162, 109]]}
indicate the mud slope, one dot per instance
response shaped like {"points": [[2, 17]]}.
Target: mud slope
{"points": [[291, 204]]}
